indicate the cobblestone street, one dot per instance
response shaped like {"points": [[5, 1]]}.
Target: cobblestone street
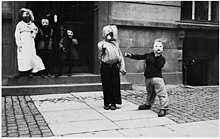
{"points": [[186, 104], [21, 118]]}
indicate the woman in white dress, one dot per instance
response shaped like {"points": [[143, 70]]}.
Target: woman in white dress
{"points": [[25, 33]]}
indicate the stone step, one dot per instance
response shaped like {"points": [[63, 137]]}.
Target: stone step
{"points": [[80, 78], [55, 88]]}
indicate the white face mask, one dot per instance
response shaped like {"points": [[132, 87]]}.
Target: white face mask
{"points": [[45, 22], [69, 33], [158, 47], [109, 37]]}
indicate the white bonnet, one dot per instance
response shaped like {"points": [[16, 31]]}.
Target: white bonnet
{"points": [[26, 10], [110, 28]]}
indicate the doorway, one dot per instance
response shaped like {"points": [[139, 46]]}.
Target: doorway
{"points": [[199, 54], [74, 14]]}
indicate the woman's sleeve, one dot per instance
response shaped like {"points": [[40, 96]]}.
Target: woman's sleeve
{"points": [[35, 30], [18, 35]]}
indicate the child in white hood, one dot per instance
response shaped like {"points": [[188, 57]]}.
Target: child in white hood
{"points": [[112, 63]]}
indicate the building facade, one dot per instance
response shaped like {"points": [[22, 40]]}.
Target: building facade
{"points": [[191, 51]]}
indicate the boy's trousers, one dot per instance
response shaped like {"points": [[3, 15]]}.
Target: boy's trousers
{"points": [[155, 86]]}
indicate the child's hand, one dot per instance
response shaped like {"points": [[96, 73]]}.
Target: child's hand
{"points": [[127, 54], [64, 50], [123, 72]]}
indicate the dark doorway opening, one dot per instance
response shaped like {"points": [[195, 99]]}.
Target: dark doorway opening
{"points": [[74, 14], [199, 54]]}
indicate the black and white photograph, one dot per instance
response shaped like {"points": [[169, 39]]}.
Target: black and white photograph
{"points": [[109, 68]]}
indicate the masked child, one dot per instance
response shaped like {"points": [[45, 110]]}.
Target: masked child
{"points": [[112, 63], [153, 77], [69, 53]]}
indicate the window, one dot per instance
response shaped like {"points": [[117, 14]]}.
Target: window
{"points": [[200, 11], [215, 11]]}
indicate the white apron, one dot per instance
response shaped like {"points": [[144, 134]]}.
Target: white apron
{"points": [[26, 51]]}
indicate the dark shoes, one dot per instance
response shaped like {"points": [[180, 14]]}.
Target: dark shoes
{"points": [[106, 107], [112, 107], [144, 107], [162, 113]]}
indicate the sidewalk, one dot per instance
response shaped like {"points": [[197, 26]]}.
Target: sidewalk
{"points": [[82, 115]]}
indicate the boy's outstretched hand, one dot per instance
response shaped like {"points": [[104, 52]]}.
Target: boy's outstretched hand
{"points": [[127, 54]]}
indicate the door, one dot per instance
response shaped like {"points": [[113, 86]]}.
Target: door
{"points": [[77, 15]]}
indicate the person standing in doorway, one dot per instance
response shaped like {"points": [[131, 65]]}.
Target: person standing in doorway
{"points": [[45, 42], [112, 63], [69, 52], [28, 61]]}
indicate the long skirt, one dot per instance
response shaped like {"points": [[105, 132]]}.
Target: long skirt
{"points": [[110, 77]]}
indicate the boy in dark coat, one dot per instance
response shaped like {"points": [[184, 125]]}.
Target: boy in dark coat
{"points": [[153, 77]]}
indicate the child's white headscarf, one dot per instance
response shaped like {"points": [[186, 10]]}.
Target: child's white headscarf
{"points": [[110, 28]]}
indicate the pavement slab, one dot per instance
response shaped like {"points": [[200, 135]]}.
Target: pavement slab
{"points": [[108, 133], [60, 106], [129, 115], [146, 122], [71, 116], [156, 131], [82, 127], [196, 129]]}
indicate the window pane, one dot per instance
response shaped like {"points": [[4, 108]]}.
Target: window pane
{"points": [[201, 10], [215, 11], [186, 10]]}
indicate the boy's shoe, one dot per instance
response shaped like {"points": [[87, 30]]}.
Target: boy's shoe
{"points": [[113, 107], [144, 107], [106, 107], [162, 113]]}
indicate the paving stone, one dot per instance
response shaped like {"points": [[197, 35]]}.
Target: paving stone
{"points": [[138, 123], [196, 129], [82, 126], [150, 132], [110, 133]]}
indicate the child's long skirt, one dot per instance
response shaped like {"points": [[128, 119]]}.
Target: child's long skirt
{"points": [[110, 77]]}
